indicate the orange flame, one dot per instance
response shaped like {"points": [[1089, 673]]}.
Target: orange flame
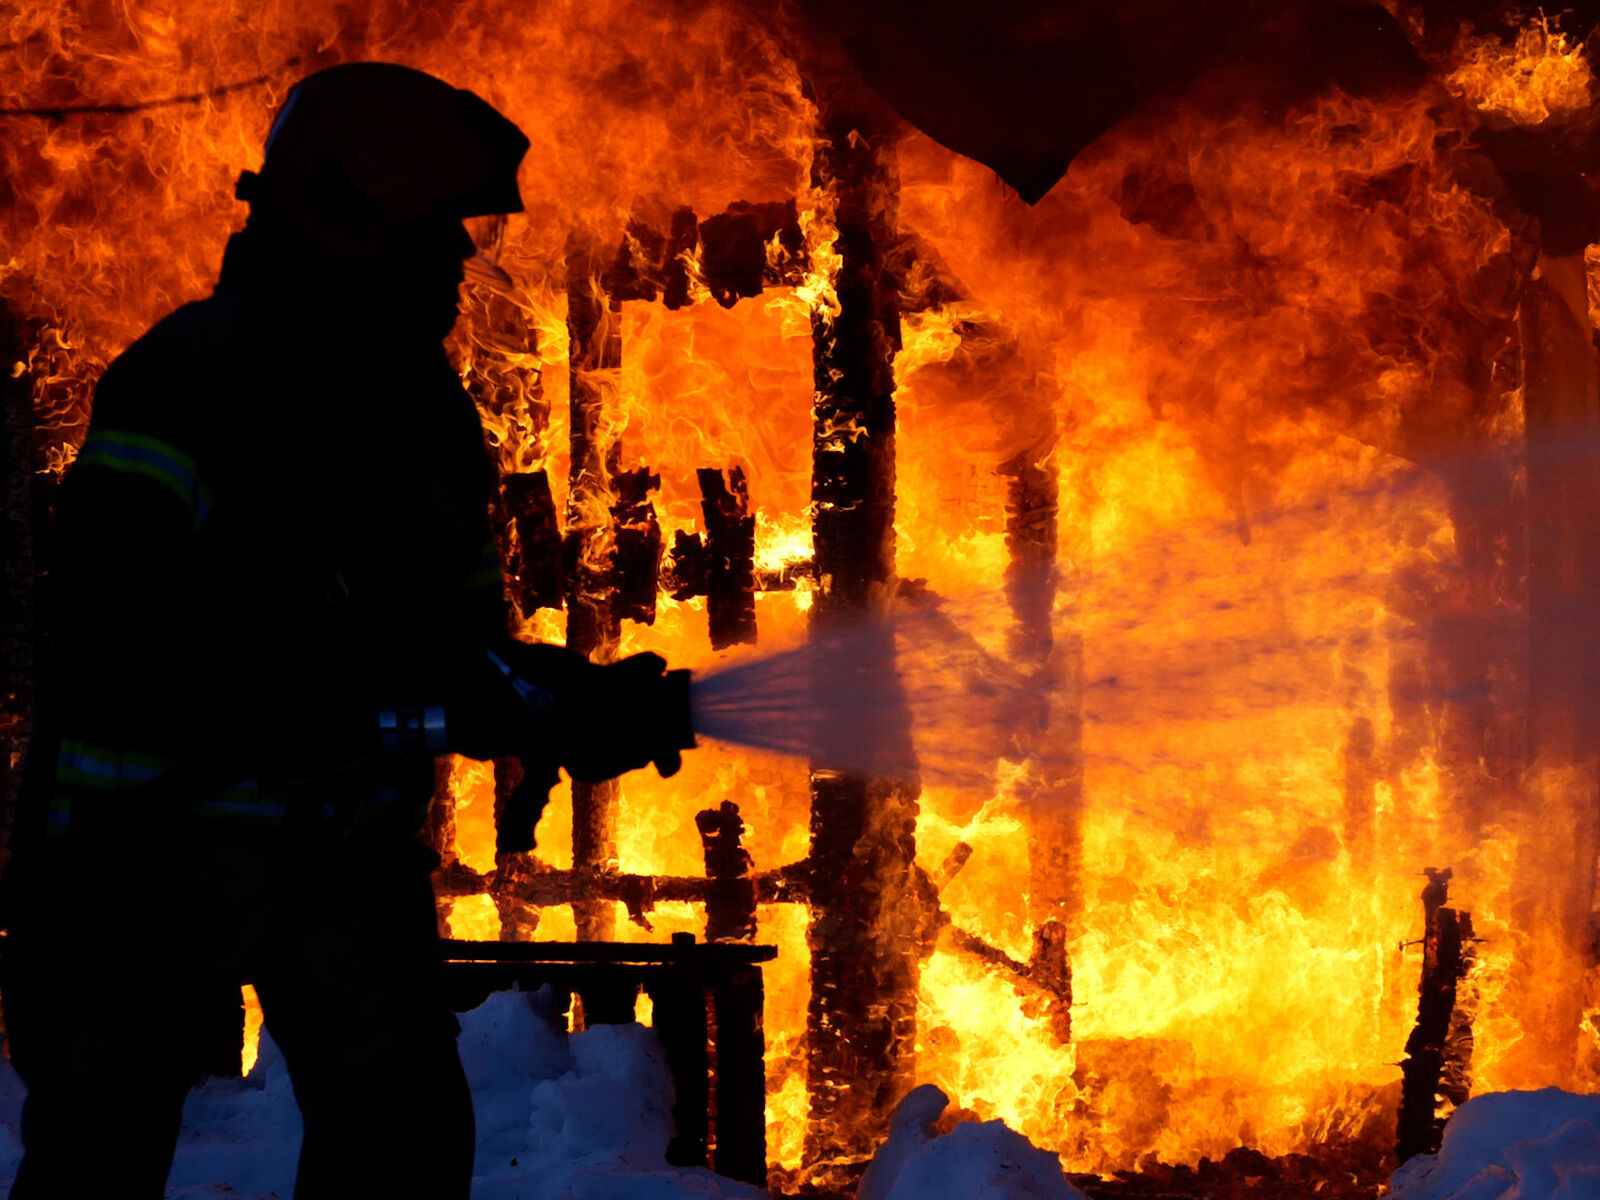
{"points": [[1263, 354]]}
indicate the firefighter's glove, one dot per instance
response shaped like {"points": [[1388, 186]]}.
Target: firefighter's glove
{"points": [[631, 713], [596, 721]]}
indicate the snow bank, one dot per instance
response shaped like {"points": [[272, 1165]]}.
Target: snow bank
{"points": [[974, 1161], [1542, 1145], [580, 1118]]}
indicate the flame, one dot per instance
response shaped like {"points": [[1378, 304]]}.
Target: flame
{"points": [[1540, 76], [1266, 362], [252, 1030]]}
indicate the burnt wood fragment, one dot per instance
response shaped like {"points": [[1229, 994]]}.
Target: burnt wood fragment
{"points": [[689, 568], [733, 255], [736, 245], [730, 554], [731, 890], [960, 854], [518, 920], [538, 577], [542, 886], [636, 559], [1446, 960], [681, 242], [1052, 969]]}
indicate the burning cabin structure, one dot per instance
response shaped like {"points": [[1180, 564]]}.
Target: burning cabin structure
{"points": [[1261, 447]]}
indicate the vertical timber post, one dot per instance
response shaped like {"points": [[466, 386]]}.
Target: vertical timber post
{"points": [[864, 965], [1050, 790], [594, 332], [1438, 1060]]}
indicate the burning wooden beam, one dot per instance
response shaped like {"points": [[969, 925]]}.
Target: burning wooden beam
{"points": [[866, 898], [1437, 1065], [734, 255], [730, 550], [636, 561], [731, 890], [537, 572], [594, 332]]}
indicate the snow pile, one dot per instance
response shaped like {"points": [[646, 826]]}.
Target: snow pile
{"points": [[585, 1118], [1542, 1145], [580, 1118], [974, 1161]]}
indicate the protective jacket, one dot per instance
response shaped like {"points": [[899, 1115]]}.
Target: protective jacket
{"points": [[277, 525]]}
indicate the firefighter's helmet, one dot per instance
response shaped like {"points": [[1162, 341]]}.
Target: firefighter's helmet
{"points": [[369, 142]]}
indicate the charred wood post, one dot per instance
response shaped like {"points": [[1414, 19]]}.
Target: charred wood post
{"points": [[1437, 1065], [518, 920], [731, 885], [1050, 791], [636, 562], [536, 564], [731, 550], [866, 897], [720, 565], [18, 572], [739, 1090], [680, 1015], [1052, 968], [594, 332]]}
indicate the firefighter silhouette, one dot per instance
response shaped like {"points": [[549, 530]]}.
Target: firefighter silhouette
{"points": [[275, 583]]}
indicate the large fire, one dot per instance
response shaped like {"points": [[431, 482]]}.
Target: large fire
{"points": [[1278, 372]]}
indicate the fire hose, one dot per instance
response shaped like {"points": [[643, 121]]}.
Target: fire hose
{"points": [[552, 708]]}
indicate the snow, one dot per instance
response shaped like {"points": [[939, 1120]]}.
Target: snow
{"points": [[1542, 1145], [588, 1117], [977, 1160], [580, 1118]]}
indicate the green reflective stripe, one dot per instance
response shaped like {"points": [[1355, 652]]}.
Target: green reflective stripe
{"points": [[103, 768], [152, 458], [59, 815], [253, 811], [82, 767]]}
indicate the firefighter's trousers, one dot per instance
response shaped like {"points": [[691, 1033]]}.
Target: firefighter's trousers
{"points": [[121, 954]]}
